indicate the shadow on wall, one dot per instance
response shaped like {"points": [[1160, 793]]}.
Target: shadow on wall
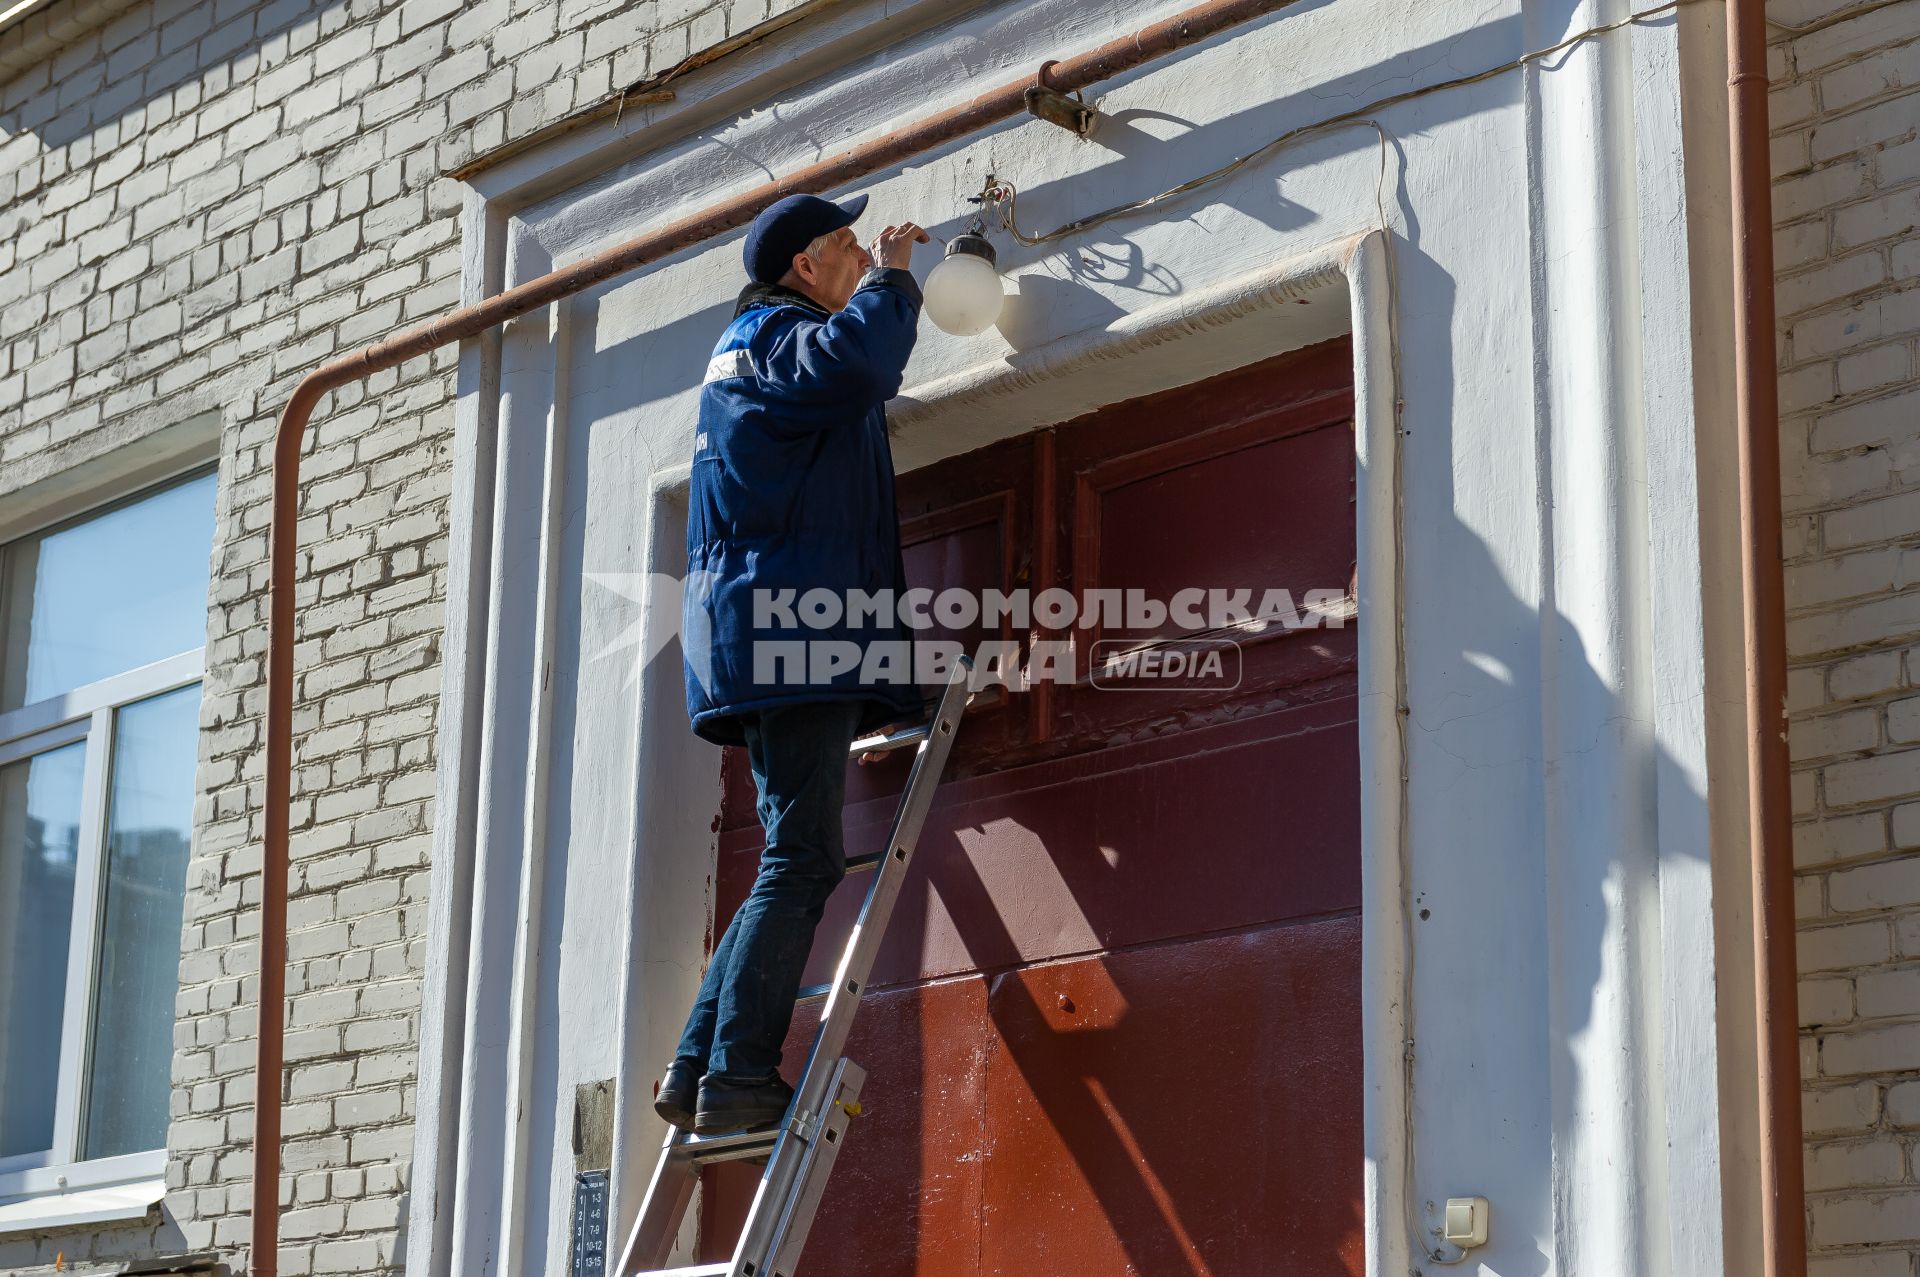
{"points": [[141, 75]]}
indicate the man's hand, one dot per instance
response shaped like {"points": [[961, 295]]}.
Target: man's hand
{"points": [[894, 245]]}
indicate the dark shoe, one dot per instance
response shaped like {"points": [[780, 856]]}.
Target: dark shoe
{"points": [[726, 1106], [678, 1093]]}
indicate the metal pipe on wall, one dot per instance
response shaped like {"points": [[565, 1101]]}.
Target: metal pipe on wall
{"points": [[1769, 797], [1005, 102]]}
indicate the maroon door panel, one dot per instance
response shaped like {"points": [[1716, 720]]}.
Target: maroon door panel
{"points": [[1180, 1109], [1115, 1027], [1205, 830], [1241, 497]]}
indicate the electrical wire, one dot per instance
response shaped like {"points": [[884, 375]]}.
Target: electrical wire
{"points": [[1403, 711], [1003, 193]]}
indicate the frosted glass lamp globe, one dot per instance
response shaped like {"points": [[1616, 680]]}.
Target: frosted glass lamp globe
{"points": [[963, 293]]}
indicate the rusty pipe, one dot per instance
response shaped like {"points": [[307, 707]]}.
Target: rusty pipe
{"points": [[1764, 620], [1005, 102]]}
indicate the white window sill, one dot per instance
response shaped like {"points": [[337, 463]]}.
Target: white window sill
{"points": [[83, 1206]]}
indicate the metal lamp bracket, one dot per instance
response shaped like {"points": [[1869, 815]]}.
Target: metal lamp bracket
{"points": [[1044, 102]]}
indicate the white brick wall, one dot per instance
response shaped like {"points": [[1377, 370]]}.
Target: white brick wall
{"points": [[200, 200], [1846, 119]]}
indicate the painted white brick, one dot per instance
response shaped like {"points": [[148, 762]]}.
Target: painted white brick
{"points": [[1871, 521], [1893, 992], [1903, 720], [1831, 281], [1861, 129], [1890, 1050], [1870, 1163], [1885, 1264], [1889, 216], [1867, 1219], [1806, 688], [1872, 369], [1855, 626], [1816, 482], [1840, 837], [1863, 676], [1809, 897], [1882, 886], [1906, 825], [1844, 40], [1906, 260], [1852, 945], [1870, 77], [1903, 1104], [1884, 776], [1829, 332], [1825, 1002], [1834, 734], [1828, 1108]]}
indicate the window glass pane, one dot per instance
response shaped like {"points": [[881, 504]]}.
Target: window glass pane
{"points": [[39, 849], [149, 816], [107, 594]]}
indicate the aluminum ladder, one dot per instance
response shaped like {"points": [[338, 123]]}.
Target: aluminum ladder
{"points": [[799, 1153]]}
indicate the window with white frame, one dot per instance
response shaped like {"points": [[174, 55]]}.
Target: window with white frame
{"points": [[102, 637]]}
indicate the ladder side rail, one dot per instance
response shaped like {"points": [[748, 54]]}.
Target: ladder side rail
{"points": [[655, 1229], [772, 1215], [796, 1171], [870, 928], [787, 1234]]}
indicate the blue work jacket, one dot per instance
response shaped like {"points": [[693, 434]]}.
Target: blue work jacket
{"points": [[791, 491]]}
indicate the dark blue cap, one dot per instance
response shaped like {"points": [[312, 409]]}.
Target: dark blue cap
{"points": [[787, 226]]}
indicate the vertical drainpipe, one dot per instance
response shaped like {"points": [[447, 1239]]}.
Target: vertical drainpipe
{"points": [[1769, 796]]}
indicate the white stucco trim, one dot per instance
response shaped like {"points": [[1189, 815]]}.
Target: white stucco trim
{"points": [[1191, 337], [458, 778]]}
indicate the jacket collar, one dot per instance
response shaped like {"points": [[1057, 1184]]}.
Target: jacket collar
{"points": [[756, 296]]}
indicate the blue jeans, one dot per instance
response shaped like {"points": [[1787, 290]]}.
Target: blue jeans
{"points": [[799, 759]]}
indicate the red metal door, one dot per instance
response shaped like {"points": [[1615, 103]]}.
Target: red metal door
{"points": [[1115, 1028]]}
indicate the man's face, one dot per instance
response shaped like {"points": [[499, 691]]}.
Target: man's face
{"points": [[834, 272]]}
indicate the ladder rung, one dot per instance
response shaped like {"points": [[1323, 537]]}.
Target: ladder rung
{"points": [[702, 1149], [812, 993], [701, 1270], [882, 744]]}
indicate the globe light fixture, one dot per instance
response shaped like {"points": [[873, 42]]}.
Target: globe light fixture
{"points": [[963, 294]]}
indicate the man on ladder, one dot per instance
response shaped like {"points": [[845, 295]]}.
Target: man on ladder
{"points": [[791, 491]]}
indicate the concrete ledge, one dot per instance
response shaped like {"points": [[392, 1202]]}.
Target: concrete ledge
{"points": [[87, 1206]]}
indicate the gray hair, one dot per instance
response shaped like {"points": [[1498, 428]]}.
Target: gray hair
{"points": [[813, 250]]}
